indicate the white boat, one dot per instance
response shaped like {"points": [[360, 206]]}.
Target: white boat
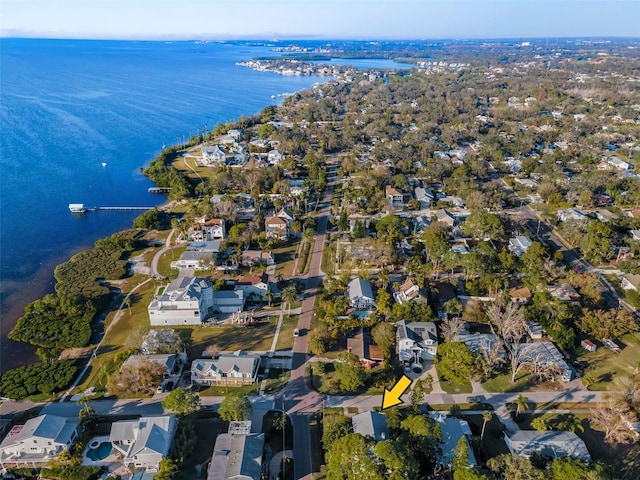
{"points": [[77, 208], [104, 164]]}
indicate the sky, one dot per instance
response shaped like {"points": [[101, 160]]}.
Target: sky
{"points": [[300, 19]]}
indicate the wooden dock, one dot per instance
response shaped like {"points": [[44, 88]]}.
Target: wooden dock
{"points": [[124, 208], [159, 189]]}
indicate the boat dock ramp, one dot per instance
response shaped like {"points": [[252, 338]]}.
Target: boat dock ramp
{"points": [[81, 208]]}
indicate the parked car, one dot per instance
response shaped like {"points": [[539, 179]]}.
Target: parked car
{"points": [[296, 332], [473, 399]]}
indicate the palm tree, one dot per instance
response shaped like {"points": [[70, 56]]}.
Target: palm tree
{"points": [[486, 417], [269, 295], [127, 302], [289, 295], [521, 404], [383, 278], [540, 424], [571, 424]]}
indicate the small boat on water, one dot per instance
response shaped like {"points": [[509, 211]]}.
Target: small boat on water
{"points": [[104, 164], [77, 208]]}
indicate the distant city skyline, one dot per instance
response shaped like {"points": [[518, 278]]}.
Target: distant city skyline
{"points": [[318, 19]]}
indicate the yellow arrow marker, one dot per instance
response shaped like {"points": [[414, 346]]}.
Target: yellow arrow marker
{"points": [[391, 398]]}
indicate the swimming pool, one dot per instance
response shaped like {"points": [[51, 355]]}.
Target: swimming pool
{"points": [[100, 453], [361, 314]]}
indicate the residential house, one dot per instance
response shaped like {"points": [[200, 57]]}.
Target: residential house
{"points": [[213, 156], [274, 157], [424, 196], [237, 454], [251, 258], [614, 163], [604, 215], [518, 245], [395, 197], [228, 301], [443, 216], [206, 229], [193, 260], [276, 227], [410, 292], [421, 223], [170, 362], [296, 187], [564, 292], [362, 345], [480, 343], [520, 294], [567, 214], [211, 246], [143, 443], [39, 440], [588, 345], [630, 281], [239, 368], [546, 355], [535, 330], [550, 443], [454, 201], [240, 155], [361, 294], [452, 430], [371, 424], [255, 287], [185, 301], [416, 341]]}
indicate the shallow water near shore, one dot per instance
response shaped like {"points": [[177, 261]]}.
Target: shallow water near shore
{"points": [[79, 120]]}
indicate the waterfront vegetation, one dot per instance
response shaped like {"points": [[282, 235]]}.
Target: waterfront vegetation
{"points": [[46, 377]]}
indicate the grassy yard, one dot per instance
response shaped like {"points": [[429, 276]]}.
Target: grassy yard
{"points": [[278, 378], [285, 257], [327, 264], [451, 387], [229, 338], [127, 332], [502, 383], [604, 364], [164, 264], [375, 381], [626, 458], [220, 391], [285, 339]]}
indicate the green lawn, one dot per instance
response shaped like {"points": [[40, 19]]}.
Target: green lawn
{"points": [[278, 378], [502, 383], [285, 339], [604, 364], [451, 387], [229, 338], [164, 264], [219, 391], [285, 257]]}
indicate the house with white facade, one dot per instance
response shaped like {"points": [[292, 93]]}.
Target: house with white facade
{"points": [[276, 227], [206, 229], [239, 368], [274, 157], [568, 214], [237, 454], [361, 294], [518, 245], [411, 292], [255, 287], [395, 197], [550, 443], [416, 341], [143, 443], [39, 440], [185, 301], [614, 163], [213, 156], [193, 260], [424, 196]]}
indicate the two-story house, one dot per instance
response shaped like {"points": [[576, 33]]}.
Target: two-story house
{"points": [[239, 368], [185, 301], [410, 292], [255, 287], [143, 443], [213, 156], [416, 341], [206, 229], [39, 440], [361, 294], [278, 225]]}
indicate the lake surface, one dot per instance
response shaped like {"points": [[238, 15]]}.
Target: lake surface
{"points": [[67, 107]]}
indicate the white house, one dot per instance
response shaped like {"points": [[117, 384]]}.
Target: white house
{"points": [[193, 260], [276, 227], [185, 301], [395, 197], [39, 440], [239, 368], [143, 443], [518, 245], [254, 286], [213, 155], [416, 341], [371, 424], [614, 163], [206, 229], [361, 294], [410, 292], [274, 157], [550, 443], [571, 214], [424, 196]]}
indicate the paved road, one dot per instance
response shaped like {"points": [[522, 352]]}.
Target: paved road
{"points": [[301, 402]]}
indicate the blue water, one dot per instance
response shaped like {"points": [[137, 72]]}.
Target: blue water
{"points": [[66, 107]]}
